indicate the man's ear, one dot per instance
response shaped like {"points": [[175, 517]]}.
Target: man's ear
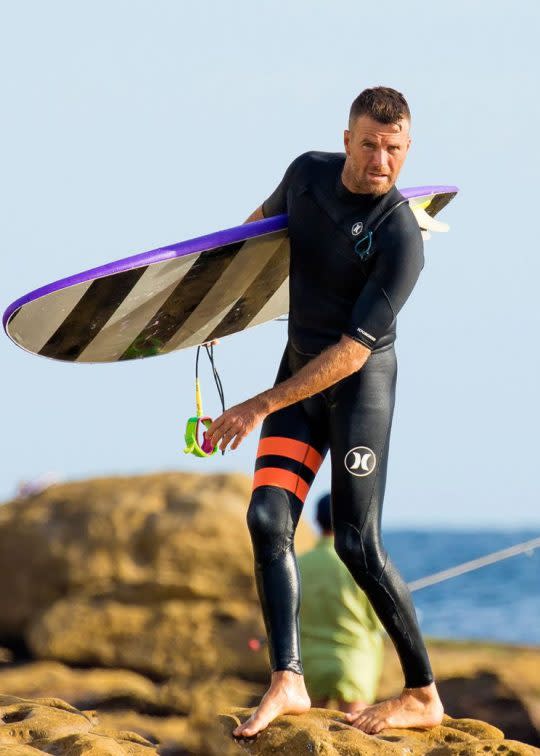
{"points": [[346, 141]]}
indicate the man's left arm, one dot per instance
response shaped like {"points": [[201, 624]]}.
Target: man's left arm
{"points": [[396, 269], [329, 367]]}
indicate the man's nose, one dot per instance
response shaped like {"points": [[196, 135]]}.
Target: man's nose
{"points": [[380, 157]]}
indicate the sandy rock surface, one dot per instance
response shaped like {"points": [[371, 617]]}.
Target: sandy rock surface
{"points": [[321, 731], [179, 716], [135, 598], [493, 681], [191, 638], [83, 688], [121, 689], [50, 725], [137, 540], [152, 573]]}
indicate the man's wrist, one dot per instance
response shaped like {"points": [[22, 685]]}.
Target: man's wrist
{"points": [[265, 401]]}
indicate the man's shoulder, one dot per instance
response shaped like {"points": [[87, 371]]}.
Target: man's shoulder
{"points": [[316, 156], [314, 161], [402, 219]]}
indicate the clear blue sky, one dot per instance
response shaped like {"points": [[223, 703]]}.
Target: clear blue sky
{"points": [[128, 125]]}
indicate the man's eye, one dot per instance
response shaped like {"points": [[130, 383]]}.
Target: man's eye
{"points": [[394, 148]]}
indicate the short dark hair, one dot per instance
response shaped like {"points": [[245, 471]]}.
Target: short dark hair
{"points": [[324, 512], [380, 103]]}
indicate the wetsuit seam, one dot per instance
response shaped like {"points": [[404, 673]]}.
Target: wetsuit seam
{"points": [[405, 632], [274, 558], [373, 487], [361, 341], [396, 608], [380, 350], [389, 303], [378, 580], [375, 479], [361, 534], [302, 462], [383, 569]]}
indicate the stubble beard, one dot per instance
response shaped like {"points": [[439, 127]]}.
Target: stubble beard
{"points": [[374, 187], [364, 185]]}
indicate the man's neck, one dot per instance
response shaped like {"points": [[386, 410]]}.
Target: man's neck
{"points": [[347, 180]]}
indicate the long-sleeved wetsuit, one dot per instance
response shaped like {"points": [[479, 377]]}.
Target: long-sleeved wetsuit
{"points": [[355, 259]]}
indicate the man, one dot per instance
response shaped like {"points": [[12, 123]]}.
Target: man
{"points": [[342, 647], [356, 253]]}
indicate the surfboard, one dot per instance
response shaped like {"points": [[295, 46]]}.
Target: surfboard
{"points": [[177, 296]]}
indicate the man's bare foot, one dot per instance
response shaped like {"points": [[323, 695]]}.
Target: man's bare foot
{"points": [[287, 695], [415, 707]]}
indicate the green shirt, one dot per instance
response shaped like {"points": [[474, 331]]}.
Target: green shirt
{"points": [[340, 632]]}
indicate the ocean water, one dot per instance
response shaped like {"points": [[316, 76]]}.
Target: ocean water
{"points": [[498, 602]]}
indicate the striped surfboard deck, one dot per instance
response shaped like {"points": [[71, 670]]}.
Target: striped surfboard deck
{"points": [[173, 297]]}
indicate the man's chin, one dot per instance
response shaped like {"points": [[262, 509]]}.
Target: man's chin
{"points": [[371, 186], [379, 191], [379, 187]]}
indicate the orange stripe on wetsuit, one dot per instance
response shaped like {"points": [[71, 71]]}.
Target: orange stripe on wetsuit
{"points": [[290, 449]]}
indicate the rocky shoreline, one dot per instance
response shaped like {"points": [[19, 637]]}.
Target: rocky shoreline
{"points": [[127, 607]]}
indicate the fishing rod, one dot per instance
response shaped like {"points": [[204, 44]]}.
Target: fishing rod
{"points": [[474, 564], [528, 547]]}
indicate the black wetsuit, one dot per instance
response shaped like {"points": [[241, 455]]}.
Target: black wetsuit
{"points": [[355, 259]]}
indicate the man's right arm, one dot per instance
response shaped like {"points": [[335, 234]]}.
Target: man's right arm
{"points": [[277, 201]]}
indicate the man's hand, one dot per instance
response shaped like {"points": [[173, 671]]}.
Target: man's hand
{"points": [[236, 422], [329, 367]]}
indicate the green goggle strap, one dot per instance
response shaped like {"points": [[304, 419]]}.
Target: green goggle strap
{"points": [[192, 438], [193, 445]]}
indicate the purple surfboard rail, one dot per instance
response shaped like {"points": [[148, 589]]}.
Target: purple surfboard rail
{"points": [[199, 244]]}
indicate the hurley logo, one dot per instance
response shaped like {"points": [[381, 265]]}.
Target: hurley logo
{"points": [[357, 228], [360, 461]]}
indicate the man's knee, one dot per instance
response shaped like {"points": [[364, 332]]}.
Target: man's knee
{"points": [[270, 522], [362, 553]]}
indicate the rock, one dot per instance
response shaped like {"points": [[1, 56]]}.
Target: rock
{"points": [[193, 639], [199, 734], [220, 692], [50, 725], [139, 540], [125, 572], [496, 682], [172, 732], [490, 698], [84, 688], [151, 580], [321, 731], [173, 714], [121, 689]]}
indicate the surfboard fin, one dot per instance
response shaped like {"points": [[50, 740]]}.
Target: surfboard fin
{"points": [[426, 222]]}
